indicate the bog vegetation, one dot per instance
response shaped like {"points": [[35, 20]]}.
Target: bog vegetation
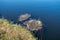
{"points": [[10, 31]]}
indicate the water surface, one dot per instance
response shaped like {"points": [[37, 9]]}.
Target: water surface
{"points": [[47, 11]]}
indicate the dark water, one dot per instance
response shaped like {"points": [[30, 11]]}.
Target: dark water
{"points": [[47, 11]]}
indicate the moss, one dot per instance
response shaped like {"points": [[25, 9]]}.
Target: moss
{"points": [[10, 31]]}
